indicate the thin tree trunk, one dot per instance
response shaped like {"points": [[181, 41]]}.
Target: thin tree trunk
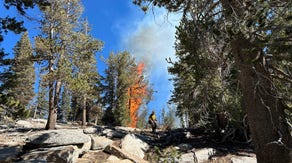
{"points": [[84, 112], [51, 123], [34, 113], [265, 112], [57, 95]]}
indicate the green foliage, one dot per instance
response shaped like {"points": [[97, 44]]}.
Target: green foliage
{"points": [[203, 46], [254, 37], [203, 84], [119, 77], [18, 80], [170, 154], [12, 108], [24, 73], [84, 75], [42, 100], [11, 23], [66, 52]]}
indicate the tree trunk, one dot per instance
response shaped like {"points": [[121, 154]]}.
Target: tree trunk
{"points": [[57, 95], [265, 112], [34, 113], [51, 123], [84, 112]]}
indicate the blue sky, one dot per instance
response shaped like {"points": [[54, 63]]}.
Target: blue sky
{"points": [[123, 26]]}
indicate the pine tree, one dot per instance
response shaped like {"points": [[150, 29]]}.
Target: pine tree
{"points": [[17, 89], [109, 89], [23, 67], [125, 78], [85, 75], [5, 76], [119, 78], [54, 48], [125, 90]]}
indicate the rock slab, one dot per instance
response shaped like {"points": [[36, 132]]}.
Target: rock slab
{"points": [[53, 138], [64, 154], [134, 145]]}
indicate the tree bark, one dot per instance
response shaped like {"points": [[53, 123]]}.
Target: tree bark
{"points": [[265, 111], [51, 123], [57, 95], [84, 112]]}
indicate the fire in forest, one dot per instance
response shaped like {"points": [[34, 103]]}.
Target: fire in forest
{"points": [[136, 92]]}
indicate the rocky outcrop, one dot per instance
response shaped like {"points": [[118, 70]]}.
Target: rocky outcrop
{"points": [[31, 123], [53, 138], [26, 142]]}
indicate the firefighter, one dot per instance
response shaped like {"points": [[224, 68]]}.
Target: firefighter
{"points": [[152, 121]]}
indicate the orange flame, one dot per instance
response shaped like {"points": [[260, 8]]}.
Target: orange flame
{"points": [[136, 94], [140, 68]]}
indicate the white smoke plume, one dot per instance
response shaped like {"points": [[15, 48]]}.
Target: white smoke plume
{"points": [[152, 39]]}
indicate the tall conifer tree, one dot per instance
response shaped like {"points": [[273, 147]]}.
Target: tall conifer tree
{"points": [[84, 73], [118, 79], [53, 48], [23, 67], [18, 79]]}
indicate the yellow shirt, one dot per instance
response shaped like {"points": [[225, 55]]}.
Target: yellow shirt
{"points": [[152, 117]]}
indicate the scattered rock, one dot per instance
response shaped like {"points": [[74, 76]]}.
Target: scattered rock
{"points": [[43, 121], [108, 144], [123, 154], [243, 159], [63, 154], [127, 129], [24, 124], [185, 147], [90, 130], [93, 156], [99, 142], [112, 133], [203, 155], [120, 161], [9, 154], [134, 145], [85, 147], [187, 158], [112, 158], [3, 126]]}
